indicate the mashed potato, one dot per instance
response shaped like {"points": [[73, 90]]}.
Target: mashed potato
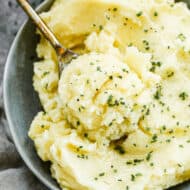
{"points": [[119, 116]]}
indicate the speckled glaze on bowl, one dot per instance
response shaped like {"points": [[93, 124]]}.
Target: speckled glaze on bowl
{"points": [[22, 103]]}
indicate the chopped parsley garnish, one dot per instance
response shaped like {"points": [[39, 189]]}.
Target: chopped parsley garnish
{"points": [[168, 140], [111, 77], [146, 44], [181, 37], [138, 174], [119, 149], [111, 102], [101, 174], [101, 27], [130, 44], [158, 93], [125, 70], [79, 148], [155, 14], [132, 177], [115, 170], [139, 14], [170, 74], [134, 162], [46, 86], [107, 17], [154, 138], [183, 96], [98, 69], [155, 65], [148, 157], [46, 73], [179, 165], [82, 156], [91, 63]]}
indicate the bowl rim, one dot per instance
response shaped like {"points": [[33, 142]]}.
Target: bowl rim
{"points": [[7, 106]]}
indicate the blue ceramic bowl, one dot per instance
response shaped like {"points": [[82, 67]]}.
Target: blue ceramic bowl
{"points": [[22, 103], [20, 100]]}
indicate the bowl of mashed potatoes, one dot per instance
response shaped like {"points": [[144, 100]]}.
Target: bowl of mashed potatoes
{"points": [[118, 117]]}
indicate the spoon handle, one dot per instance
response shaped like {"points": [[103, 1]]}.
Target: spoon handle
{"points": [[42, 27]]}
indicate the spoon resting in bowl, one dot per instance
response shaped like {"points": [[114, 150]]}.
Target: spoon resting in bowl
{"points": [[64, 54]]}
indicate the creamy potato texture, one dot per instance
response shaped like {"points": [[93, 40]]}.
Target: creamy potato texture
{"points": [[119, 116]]}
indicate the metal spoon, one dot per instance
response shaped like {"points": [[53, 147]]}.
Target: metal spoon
{"points": [[64, 54]]}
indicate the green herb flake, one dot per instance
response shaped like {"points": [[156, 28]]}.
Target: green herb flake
{"points": [[139, 14], [101, 174], [98, 69], [148, 157], [146, 44], [132, 177], [154, 138], [82, 156], [181, 37], [179, 165], [125, 70], [111, 102], [183, 96], [170, 74], [91, 63], [101, 27], [107, 17], [119, 149], [46, 73], [111, 77], [138, 174], [129, 163], [155, 14], [168, 140], [46, 86], [130, 44], [158, 93], [115, 170]]}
